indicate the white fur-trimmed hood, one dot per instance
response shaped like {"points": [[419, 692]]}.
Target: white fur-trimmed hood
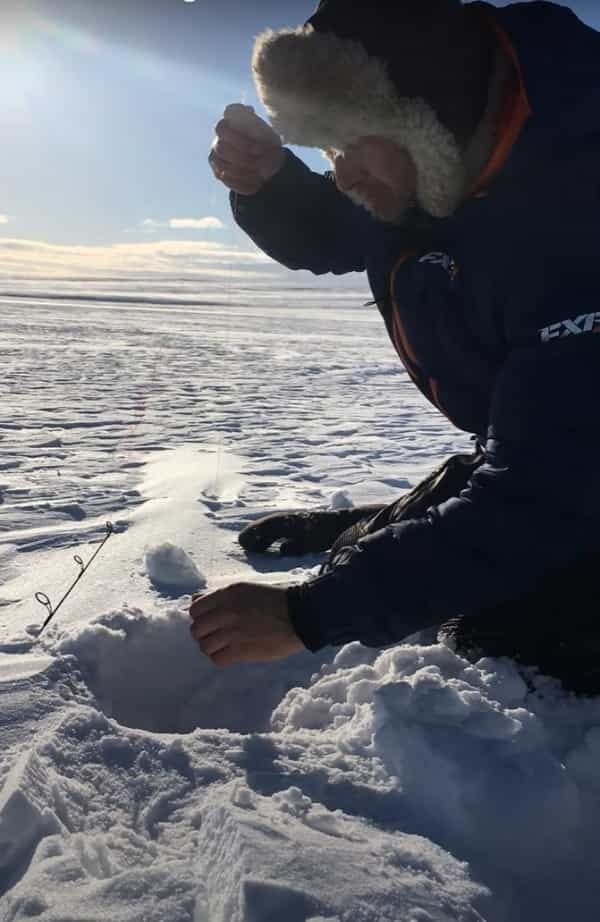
{"points": [[324, 91]]}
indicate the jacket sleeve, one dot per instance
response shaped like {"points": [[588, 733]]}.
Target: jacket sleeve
{"points": [[533, 505], [303, 221]]}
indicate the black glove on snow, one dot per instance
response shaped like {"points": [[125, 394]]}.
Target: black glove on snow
{"points": [[302, 532]]}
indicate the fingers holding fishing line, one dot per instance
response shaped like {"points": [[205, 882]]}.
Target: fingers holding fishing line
{"points": [[223, 156], [246, 152], [233, 146], [241, 181]]}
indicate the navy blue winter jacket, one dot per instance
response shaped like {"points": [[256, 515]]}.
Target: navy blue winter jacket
{"points": [[497, 330]]}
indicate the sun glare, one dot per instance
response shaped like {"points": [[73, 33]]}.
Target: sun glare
{"points": [[31, 63]]}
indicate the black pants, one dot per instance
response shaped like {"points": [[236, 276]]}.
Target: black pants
{"points": [[554, 627]]}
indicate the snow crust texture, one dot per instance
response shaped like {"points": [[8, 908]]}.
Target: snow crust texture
{"points": [[140, 784], [395, 785]]}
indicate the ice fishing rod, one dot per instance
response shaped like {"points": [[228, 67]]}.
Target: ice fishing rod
{"points": [[43, 599]]}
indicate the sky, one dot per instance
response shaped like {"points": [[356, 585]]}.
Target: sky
{"points": [[107, 109]]}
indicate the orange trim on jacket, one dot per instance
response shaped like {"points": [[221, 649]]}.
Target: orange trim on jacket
{"points": [[515, 111], [402, 344], [403, 347]]}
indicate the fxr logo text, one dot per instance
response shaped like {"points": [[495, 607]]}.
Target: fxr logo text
{"points": [[585, 323]]}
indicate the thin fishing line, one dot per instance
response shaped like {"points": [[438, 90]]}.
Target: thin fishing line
{"points": [[220, 440], [229, 301], [228, 288]]}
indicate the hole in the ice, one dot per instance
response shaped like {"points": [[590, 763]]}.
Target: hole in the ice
{"points": [[147, 672]]}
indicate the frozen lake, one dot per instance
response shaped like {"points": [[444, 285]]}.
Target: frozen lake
{"points": [[138, 782], [308, 396]]}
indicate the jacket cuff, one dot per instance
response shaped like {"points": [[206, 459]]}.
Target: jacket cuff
{"points": [[342, 605], [316, 609], [358, 598]]}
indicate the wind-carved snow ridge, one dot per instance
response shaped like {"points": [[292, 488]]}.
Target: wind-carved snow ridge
{"points": [[24, 817], [84, 813], [259, 853], [147, 672]]}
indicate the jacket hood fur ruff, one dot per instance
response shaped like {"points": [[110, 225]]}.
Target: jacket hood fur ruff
{"points": [[323, 91]]}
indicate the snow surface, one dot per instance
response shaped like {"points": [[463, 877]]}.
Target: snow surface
{"points": [[140, 783]]}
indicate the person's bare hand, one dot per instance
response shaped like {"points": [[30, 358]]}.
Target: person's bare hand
{"points": [[245, 152], [244, 623]]}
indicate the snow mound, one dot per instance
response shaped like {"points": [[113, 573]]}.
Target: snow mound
{"points": [[341, 499], [169, 567], [480, 759], [147, 672]]}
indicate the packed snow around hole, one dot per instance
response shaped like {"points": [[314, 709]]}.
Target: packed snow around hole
{"points": [[146, 673], [138, 782]]}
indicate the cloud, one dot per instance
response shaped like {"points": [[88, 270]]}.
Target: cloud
{"points": [[34, 258], [196, 224], [151, 226], [3, 219]]}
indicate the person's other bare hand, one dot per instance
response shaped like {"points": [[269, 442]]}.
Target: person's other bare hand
{"points": [[244, 623]]}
